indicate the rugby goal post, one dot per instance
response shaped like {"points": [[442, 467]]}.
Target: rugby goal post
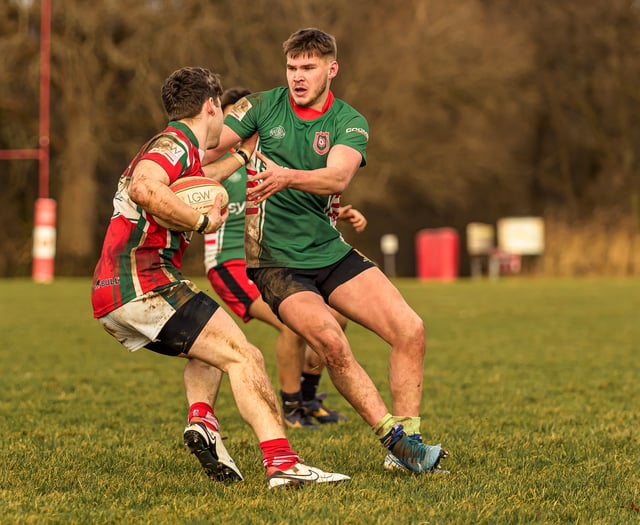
{"points": [[44, 229]]}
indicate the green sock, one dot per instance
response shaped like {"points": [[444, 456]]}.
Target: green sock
{"points": [[382, 427], [411, 424]]}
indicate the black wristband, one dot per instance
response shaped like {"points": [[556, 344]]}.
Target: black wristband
{"points": [[243, 155], [205, 223]]}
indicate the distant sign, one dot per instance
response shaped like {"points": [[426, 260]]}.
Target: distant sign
{"points": [[521, 235], [480, 238]]}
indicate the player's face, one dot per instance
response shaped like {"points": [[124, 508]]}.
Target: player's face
{"points": [[309, 77]]}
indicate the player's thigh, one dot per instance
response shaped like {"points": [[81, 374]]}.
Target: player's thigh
{"points": [[307, 314], [373, 301], [222, 343]]}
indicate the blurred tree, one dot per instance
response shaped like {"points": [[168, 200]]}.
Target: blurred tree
{"points": [[477, 109], [19, 44], [587, 70]]}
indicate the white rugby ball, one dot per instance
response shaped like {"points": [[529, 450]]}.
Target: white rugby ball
{"points": [[199, 193]]}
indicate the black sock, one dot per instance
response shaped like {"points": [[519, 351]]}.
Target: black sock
{"points": [[291, 401], [309, 386]]}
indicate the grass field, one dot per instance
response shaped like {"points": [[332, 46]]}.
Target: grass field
{"points": [[532, 385]]}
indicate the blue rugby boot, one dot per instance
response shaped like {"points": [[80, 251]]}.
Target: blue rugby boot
{"points": [[408, 453]]}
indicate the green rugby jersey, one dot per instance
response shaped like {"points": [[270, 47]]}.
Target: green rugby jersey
{"points": [[227, 243], [293, 228]]}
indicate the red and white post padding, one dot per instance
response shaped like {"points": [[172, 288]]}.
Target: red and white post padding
{"points": [[44, 240]]}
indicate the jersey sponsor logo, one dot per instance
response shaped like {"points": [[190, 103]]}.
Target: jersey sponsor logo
{"points": [[236, 208], [321, 143], [240, 108], [101, 283], [169, 149], [277, 133], [358, 130]]}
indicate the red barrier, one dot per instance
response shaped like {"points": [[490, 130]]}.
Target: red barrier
{"points": [[437, 254], [44, 240]]}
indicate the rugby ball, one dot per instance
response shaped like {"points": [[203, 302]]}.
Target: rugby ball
{"points": [[199, 193]]}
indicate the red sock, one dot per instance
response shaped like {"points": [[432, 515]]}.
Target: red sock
{"points": [[203, 412], [277, 454]]}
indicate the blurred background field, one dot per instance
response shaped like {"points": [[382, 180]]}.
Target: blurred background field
{"points": [[530, 383]]}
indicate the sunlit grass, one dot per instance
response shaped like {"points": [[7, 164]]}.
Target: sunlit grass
{"points": [[531, 384]]}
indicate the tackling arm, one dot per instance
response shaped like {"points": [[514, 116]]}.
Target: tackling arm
{"points": [[342, 164], [228, 139], [220, 169]]}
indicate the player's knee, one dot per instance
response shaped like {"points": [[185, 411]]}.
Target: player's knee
{"points": [[413, 332], [247, 356], [332, 347], [255, 356], [418, 328]]}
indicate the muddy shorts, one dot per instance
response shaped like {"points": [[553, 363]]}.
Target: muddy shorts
{"points": [[276, 284], [167, 320]]}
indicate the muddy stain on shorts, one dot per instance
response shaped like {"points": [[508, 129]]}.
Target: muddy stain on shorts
{"points": [[276, 284]]}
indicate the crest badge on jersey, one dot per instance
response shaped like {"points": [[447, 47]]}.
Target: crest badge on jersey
{"points": [[277, 133], [321, 142]]}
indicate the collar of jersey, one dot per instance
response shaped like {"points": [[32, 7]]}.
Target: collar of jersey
{"points": [[310, 113], [183, 128]]}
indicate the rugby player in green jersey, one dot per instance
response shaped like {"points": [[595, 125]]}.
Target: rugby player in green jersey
{"points": [[141, 298], [311, 144], [226, 270]]}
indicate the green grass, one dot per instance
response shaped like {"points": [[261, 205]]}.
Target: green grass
{"points": [[532, 385]]}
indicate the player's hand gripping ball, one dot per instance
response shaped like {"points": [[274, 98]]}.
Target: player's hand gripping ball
{"points": [[199, 193]]}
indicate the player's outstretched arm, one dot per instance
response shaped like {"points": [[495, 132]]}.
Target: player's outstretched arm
{"points": [[222, 168], [342, 164], [228, 139]]}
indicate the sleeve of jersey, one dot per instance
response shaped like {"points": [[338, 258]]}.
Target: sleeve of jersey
{"points": [[171, 155], [354, 133], [243, 118]]}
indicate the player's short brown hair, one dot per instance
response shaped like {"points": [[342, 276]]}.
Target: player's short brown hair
{"points": [[186, 89], [232, 95], [311, 41]]}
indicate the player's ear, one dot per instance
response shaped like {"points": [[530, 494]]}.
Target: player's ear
{"points": [[333, 69], [211, 106]]}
